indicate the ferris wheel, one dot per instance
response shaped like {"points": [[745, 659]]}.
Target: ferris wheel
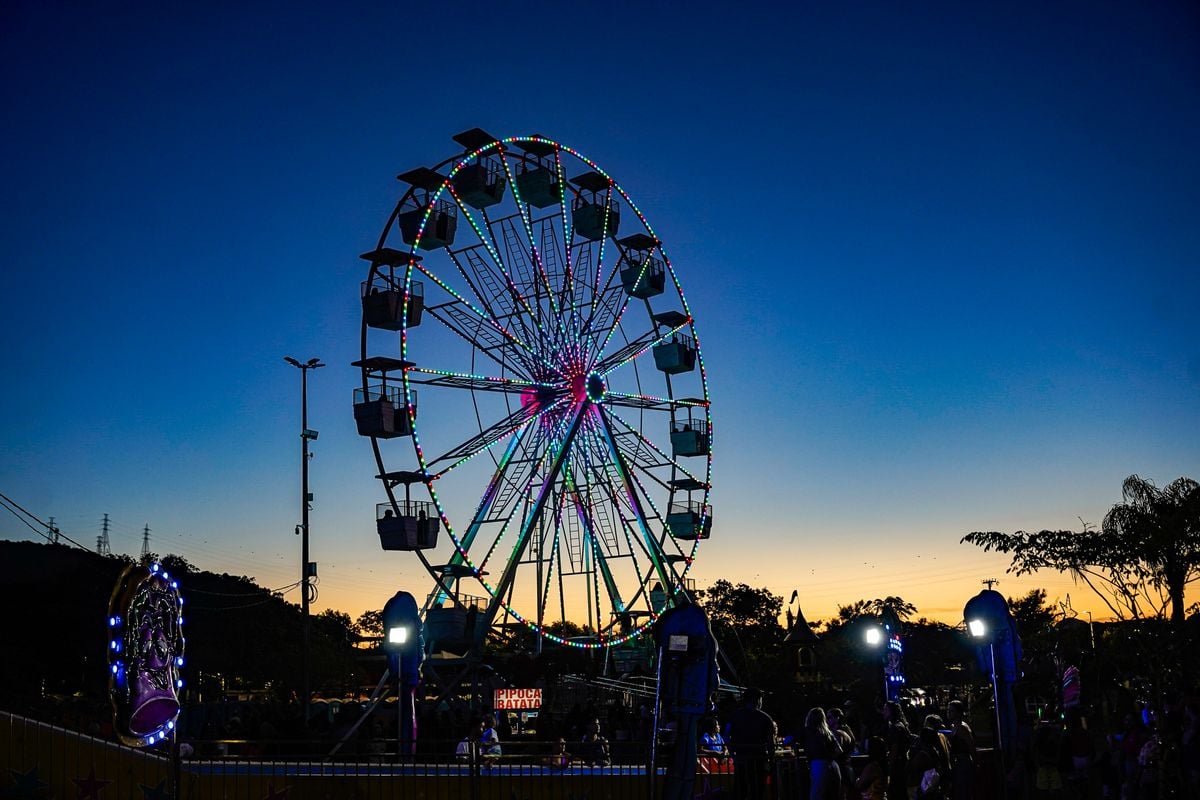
{"points": [[545, 406]]}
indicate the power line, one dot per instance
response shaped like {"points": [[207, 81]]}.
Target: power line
{"points": [[52, 538]]}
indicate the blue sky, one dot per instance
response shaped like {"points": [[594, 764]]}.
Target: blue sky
{"points": [[942, 258]]}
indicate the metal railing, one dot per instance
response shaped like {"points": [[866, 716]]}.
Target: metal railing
{"points": [[42, 760]]}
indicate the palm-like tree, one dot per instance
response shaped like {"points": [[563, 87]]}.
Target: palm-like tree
{"points": [[1158, 530]]}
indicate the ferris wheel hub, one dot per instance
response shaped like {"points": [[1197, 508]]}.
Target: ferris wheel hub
{"points": [[591, 387]]}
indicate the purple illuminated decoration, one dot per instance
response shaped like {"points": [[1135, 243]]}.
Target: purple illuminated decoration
{"points": [[145, 654]]}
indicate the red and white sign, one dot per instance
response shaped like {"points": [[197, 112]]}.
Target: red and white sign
{"points": [[516, 699]]}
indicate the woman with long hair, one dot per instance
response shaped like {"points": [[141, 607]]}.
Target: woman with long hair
{"points": [[822, 751]]}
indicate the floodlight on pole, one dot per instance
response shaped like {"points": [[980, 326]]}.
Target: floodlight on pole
{"points": [[977, 628], [402, 643], [873, 636], [307, 571]]}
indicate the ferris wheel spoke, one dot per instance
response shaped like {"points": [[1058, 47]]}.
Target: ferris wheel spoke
{"points": [[526, 220], [496, 301], [634, 539], [477, 383], [615, 324], [650, 402], [489, 244], [520, 484], [521, 274], [490, 436], [484, 508], [636, 349], [586, 511], [603, 241], [484, 298], [629, 481], [641, 454], [568, 287], [611, 282], [480, 329], [535, 513], [551, 560], [605, 317]]}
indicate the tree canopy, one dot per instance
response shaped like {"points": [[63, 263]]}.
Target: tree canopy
{"points": [[753, 613], [1138, 562]]}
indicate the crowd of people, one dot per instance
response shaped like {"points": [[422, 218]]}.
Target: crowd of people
{"points": [[1151, 755]]}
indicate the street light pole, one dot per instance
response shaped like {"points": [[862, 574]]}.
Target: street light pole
{"points": [[305, 498]]}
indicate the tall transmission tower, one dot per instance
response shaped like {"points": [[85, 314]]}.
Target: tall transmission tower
{"points": [[53, 531], [146, 540], [102, 544]]}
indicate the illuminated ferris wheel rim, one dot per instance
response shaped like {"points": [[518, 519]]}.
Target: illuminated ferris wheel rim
{"points": [[589, 385]]}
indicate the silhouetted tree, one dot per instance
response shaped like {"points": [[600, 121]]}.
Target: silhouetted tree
{"points": [[1031, 612], [1140, 560], [1158, 530], [746, 624], [873, 608], [369, 623], [177, 565], [753, 613]]}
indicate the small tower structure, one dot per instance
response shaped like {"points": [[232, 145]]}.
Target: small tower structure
{"points": [[800, 643]]}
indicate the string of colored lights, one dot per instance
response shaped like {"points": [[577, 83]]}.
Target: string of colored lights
{"points": [[568, 233], [544, 593], [119, 630], [487, 243], [586, 519], [603, 242], [498, 438], [483, 316], [523, 210], [548, 453], [666, 401], [523, 358], [605, 468], [630, 485], [606, 370], [670, 459], [544, 337]]}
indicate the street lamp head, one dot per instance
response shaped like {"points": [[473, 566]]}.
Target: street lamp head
{"points": [[291, 361], [977, 628], [314, 363]]}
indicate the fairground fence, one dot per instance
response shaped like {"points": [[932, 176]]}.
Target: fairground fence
{"points": [[38, 760]]}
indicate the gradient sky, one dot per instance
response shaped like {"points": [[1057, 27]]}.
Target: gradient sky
{"points": [[943, 259]]}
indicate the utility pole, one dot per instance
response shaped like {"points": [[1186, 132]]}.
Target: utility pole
{"points": [[307, 569], [146, 541]]}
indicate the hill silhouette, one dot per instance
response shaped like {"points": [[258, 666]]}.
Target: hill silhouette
{"points": [[55, 601]]}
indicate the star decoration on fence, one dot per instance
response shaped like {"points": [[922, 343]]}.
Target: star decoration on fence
{"points": [[25, 784], [89, 788]]}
